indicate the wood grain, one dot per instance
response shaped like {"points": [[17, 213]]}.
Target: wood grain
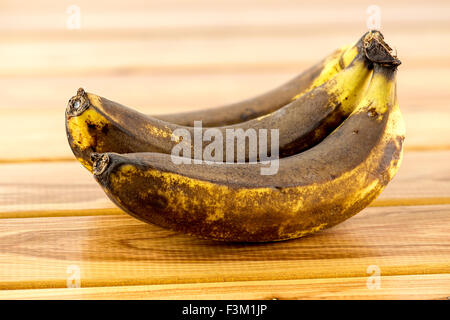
{"points": [[184, 14], [66, 188], [75, 58], [154, 93], [435, 286], [175, 55], [120, 250]]}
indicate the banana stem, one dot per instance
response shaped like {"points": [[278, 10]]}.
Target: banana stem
{"points": [[78, 104], [378, 51], [100, 163]]}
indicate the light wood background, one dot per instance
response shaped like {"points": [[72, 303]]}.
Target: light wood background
{"points": [[173, 55]]}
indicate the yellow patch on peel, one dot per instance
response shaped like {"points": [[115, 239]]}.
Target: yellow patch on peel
{"points": [[379, 97], [78, 127], [176, 138], [218, 214], [159, 132], [331, 67], [349, 55], [124, 175], [349, 86], [380, 90], [86, 164]]}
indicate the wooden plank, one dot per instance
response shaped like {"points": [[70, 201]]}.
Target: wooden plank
{"points": [[56, 58], [66, 188], [120, 250], [151, 92], [49, 187], [218, 31], [12, 6], [435, 286], [200, 90], [201, 13]]}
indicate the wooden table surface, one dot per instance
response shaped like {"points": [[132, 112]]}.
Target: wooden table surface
{"points": [[58, 229]]}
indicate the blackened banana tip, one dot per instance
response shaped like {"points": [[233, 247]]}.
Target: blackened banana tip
{"points": [[77, 104], [100, 163], [378, 51]]}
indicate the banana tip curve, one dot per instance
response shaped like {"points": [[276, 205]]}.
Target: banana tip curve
{"points": [[101, 162], [378, 51], [77, 104]]}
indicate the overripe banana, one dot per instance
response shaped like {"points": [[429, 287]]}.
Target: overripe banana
{"points": [[272, 100], [96, 124], [313, 190]]}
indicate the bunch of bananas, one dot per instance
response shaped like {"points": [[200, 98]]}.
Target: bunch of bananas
{"points": [[340, 143]]}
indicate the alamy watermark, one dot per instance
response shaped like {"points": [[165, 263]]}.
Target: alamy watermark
{"points": [[373, 21], [74, 278], [374, 280], [234, 143], [73, 21]]}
